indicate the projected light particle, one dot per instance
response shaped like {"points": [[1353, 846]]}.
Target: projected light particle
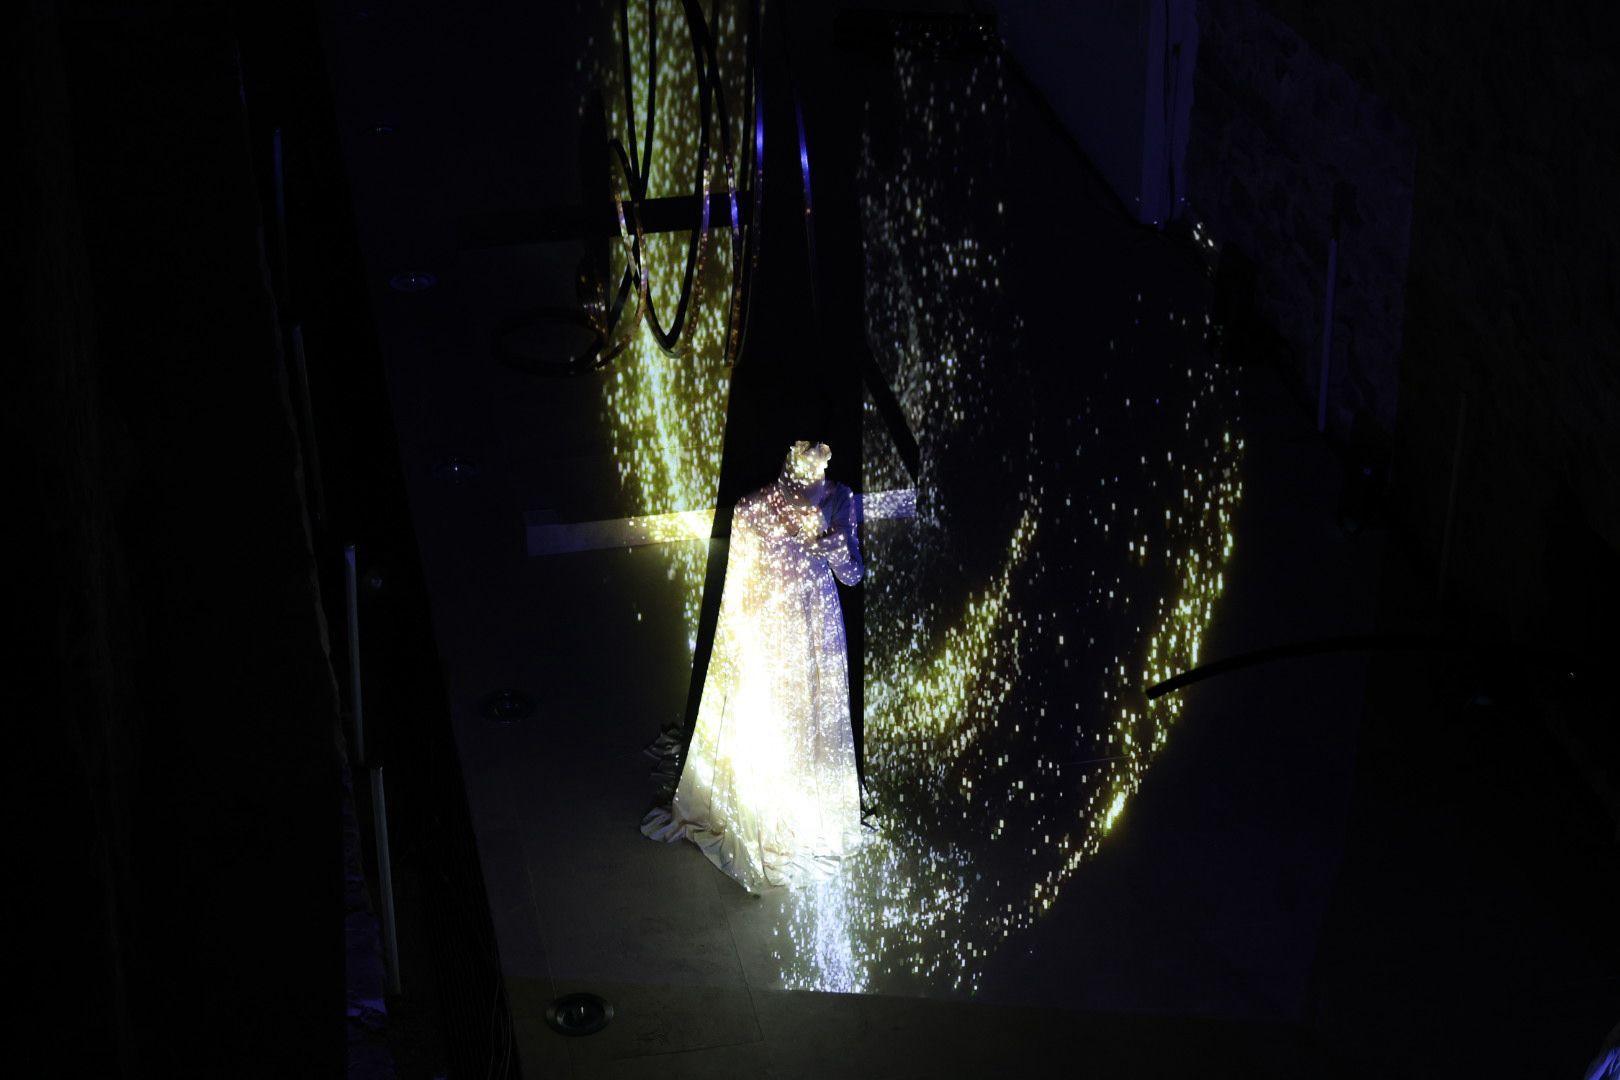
{"points": [[667, 412]]}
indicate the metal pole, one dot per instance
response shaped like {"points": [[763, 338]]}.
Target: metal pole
{"points": [[351, 586], [385, 874], [306, 417], [1451, 502]]}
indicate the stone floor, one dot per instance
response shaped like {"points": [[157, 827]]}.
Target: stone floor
{"points": [[1189, 943]]}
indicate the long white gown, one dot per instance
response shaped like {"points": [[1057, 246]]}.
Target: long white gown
{"points": [[769, 790]]}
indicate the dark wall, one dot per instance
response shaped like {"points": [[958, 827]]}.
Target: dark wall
{"points": [[177, 706], [1090, 62], [1510, 287]]}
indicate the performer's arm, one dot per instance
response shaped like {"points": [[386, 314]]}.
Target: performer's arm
{"points": [[838, 545]]}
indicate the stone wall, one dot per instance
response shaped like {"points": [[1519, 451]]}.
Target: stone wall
{"points": [[1278, 130], [1511, 283]]}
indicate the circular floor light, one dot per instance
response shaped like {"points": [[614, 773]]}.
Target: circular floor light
{"points": [[456, 470], [506, 706], [412, 281], [578, 1014]]}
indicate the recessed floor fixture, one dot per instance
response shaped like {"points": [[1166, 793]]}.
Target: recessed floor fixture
{"points": [[413, 281], [506, 706], [456, 470], [578, 1014]]}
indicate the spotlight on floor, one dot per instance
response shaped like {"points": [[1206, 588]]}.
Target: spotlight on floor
{"points": [[578, 1014], [412, 281], [506, 706]]}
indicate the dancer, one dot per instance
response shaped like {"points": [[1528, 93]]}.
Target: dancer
{"points": [[769, 790]]}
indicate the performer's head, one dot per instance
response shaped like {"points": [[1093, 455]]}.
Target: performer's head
{"points": [[806, 462]]}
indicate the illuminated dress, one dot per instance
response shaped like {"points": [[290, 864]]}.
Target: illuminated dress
{"points": [[769, 789]]}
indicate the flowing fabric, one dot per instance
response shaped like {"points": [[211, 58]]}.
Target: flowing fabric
{"points": [[769, 789]]}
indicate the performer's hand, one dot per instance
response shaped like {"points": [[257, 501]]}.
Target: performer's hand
{"points": [[803, 516], [815, 496], [835, 508]]}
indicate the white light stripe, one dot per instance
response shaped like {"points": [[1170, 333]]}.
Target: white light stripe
{"points": [[561, 539]]}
